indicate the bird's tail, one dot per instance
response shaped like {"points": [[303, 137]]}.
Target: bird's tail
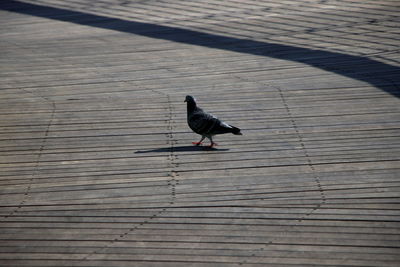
{"points": [[236, 130]]}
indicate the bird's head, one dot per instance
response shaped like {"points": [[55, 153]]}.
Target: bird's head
{"points": [[191, 103], [190, 99]]}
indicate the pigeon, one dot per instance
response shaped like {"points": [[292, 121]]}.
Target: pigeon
{"points": [[206, 124]]}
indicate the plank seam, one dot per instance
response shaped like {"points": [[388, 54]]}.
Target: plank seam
{"points": [[172, 182], [310, 164], [35, 172]]}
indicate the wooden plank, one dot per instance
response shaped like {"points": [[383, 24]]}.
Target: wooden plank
{"points": [[97, 167]]}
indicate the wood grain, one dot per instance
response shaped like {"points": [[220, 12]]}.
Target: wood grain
{"points": [[97, 166]]}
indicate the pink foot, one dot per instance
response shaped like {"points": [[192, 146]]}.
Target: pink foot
{"points": [[197, 143], [212, 145]]}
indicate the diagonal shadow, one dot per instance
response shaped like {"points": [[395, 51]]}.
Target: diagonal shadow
{"points": [[381, 75], [181, 149]]}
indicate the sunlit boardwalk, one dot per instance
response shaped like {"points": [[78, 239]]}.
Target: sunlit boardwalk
{"points": [[96, 162]]}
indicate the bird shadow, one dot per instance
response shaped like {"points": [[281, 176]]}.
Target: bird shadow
{"points": [[181, 149]]}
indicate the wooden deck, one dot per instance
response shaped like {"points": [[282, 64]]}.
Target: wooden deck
{"points": [[97, 166]]}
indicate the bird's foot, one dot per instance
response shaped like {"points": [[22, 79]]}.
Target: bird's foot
{"points": [[197, 143], [212, 145]]}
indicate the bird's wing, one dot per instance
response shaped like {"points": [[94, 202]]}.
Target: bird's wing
{"points": [[204, 123]]}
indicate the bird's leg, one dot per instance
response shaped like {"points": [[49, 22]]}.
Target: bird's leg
{"points": [[200, 142], [212, 143]]}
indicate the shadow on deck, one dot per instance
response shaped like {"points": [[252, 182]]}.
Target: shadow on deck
{"points": [[383, 76]]}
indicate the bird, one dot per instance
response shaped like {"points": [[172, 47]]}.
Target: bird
{"points": [[205, 124]]}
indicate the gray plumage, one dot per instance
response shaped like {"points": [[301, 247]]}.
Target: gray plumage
{"points": [[206, 124]]}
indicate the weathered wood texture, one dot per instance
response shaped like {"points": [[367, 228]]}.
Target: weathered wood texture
{"points": [[97, 167]]}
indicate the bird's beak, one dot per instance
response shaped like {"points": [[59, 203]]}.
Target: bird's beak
{"points": [[184, 101]]}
